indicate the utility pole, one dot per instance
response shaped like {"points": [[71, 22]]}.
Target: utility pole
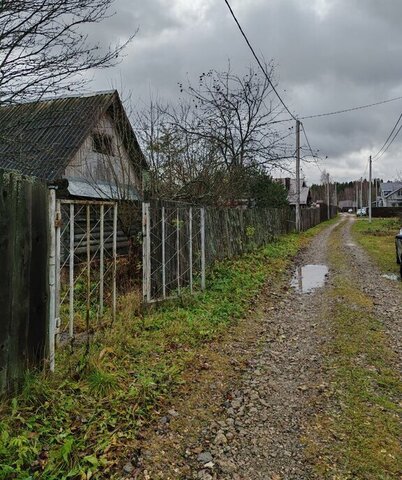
{"points": [[336, 196], [361, 192], [328, 200], [369, 192], [298, 222], [357, 195]]}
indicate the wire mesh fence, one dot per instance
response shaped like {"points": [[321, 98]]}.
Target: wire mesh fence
{"points": [[173, 249], [87, 243], [181, 240]]}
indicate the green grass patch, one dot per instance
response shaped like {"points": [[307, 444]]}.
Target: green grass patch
{"points": [[378, 239], [83, 421], [360, 437]]}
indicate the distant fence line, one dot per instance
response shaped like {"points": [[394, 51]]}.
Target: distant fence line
{"points": [[181, 240], [387, 212]]}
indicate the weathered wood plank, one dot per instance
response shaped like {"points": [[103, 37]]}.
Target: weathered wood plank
{"points": [[23, 282]]}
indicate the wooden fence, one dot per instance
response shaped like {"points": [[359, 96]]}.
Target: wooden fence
{"points": [[180, 240], [387, 212], [234, 231], [24, 275], [310, 217]]}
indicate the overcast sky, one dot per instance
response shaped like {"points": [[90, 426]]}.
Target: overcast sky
{"points": [[329, 55]]}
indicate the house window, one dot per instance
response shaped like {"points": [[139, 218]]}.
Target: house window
{"points": [[102, 143]]}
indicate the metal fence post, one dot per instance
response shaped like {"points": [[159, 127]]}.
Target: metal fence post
{"points": [[163, 254], [52, 277], [71, 273], [202, 226], [190, 250], [88, 238], [58, 273], [146, 252], [114, 292], [178, 249], [101, 257]]}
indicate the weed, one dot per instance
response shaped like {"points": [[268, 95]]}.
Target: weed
{"points": [[378, 239], [82, 420]]}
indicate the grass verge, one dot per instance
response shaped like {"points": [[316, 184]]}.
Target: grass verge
{"points": [[84, 420], [378, 238], [360, 437]]}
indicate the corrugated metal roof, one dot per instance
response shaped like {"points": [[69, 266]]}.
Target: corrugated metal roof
{"points": [[40, 138]]}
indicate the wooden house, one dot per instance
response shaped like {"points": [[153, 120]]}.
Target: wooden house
{"points": [[86, 140]]}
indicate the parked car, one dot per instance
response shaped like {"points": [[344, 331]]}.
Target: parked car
{"points": [[361, 212], [398, 248]]}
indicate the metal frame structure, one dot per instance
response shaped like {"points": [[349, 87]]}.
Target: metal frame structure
{"points": [[83, 248], [173, 250]]}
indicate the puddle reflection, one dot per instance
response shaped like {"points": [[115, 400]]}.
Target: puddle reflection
{"points": [[391, 276], [309, 277]]}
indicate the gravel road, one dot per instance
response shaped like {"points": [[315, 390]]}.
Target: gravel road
{"points": [[256, 430], [259, 433]]}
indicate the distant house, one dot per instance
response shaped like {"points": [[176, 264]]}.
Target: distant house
{"points": [[86, 140], [290, 186], [345, 205], [390, 194]]}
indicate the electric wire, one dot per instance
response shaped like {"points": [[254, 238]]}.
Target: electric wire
{"points": [[390, 143], [307, 140], [360, 107], [381, 151], [258, 60]]}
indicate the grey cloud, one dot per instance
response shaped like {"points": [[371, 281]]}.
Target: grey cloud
{"points": [[348, 56]]}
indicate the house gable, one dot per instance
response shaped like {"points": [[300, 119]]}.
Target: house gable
{"points": [[103, 157], [43, 138]]}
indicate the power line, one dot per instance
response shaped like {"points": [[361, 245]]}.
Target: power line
{"points": [[258, 60], [307, 140], [381, 151], [390, 143], [360, 107]]}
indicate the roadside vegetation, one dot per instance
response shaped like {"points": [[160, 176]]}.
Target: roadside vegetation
{"points": [[360, 436], [85, 420], [378, 239]]}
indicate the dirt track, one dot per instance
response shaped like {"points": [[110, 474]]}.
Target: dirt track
{"points": [[258, 431]]}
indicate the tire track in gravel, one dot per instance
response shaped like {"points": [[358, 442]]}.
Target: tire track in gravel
{"points": [[259, 433]]}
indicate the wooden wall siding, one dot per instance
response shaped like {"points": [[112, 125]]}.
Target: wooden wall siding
{"points": [[24, 276], [92, 166]]}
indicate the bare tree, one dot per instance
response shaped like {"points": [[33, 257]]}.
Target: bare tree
{"points": [[237, 116], [206, 148], [43, 49]]}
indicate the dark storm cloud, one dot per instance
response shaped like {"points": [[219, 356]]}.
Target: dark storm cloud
{"points": [[330, 54]]}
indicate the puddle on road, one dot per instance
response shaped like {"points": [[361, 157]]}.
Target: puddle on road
{"points": [[391, 276], [309, 277], [350, 244]]}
